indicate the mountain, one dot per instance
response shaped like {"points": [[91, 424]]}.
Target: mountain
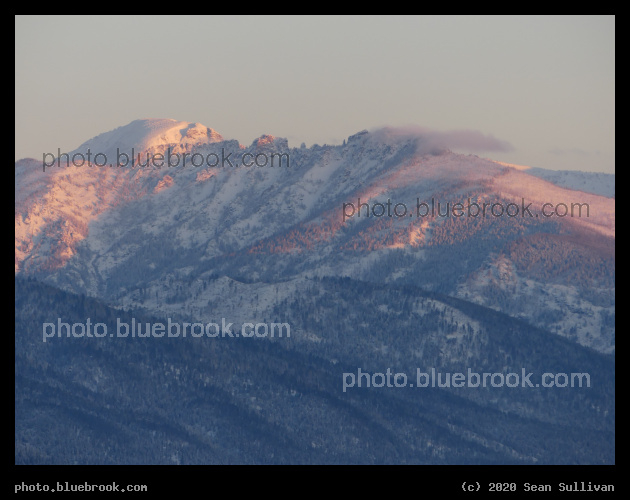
{"points": [[143, 135], [312, 237], [112, 231], [589, 182], [216, 401]]}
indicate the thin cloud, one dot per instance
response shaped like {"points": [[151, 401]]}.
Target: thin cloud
{"points": [[435, 140]]}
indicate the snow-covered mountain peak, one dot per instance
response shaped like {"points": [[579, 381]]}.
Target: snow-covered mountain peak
{"points": [[117, 232], [150, 133]]}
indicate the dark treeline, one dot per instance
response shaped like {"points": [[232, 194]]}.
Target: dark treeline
{"points": [[115, 400]]}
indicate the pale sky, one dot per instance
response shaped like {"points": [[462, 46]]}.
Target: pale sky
{"points": [[544, 85]]}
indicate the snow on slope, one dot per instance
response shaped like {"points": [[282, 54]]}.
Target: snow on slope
{"points": [[518, 184], [145, 134], [588, 182], [54, 206], [105, 230]]}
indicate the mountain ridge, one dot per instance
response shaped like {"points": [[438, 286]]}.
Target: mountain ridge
{"points": [[96, 229]]}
